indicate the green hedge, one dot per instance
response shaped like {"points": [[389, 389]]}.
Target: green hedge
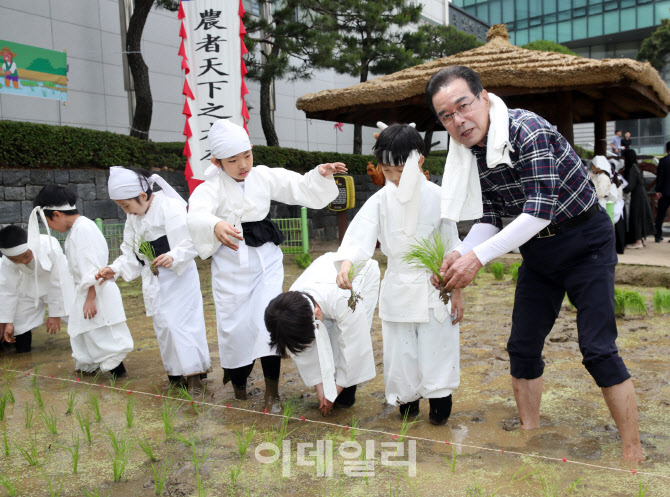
{"points": [[44, 146]]}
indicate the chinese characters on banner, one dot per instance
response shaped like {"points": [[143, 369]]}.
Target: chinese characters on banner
{"points": [[212, 47]]}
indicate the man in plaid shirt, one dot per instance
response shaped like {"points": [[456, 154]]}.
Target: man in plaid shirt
{"points": [[565, 238]]}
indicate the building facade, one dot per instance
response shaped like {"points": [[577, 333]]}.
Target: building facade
{"points": [[591, 28]]}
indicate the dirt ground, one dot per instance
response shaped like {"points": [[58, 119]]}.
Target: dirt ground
{"points": [[487, 455]]}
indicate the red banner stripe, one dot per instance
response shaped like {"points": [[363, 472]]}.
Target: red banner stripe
{"points": [[187, 109], [180, 13], [187, 90]]}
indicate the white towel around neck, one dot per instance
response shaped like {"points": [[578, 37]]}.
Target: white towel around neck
{"points": [[461, 191]]}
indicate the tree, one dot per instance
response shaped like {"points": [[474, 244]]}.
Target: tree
{"points": [[369, 35], [548, 46], [289, 42], [656, 48], [138, 68]]}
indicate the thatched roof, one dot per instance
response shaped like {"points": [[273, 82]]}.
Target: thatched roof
{"points": [[524, 78]]}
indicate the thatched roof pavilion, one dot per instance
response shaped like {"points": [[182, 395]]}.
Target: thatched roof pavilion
{"points": [[565, 89]]}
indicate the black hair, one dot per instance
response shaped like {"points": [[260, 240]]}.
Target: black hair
{"points": [[629, 159], [290, 321], [143, 177], [52, 195], [395, 143], [445, 76], [667, 147], [12, 236]]}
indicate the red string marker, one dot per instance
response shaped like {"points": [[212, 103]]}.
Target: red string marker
{"points": [[302, 417], [51, 376], [78, 379], [447, 442], [565, 460], [159, 396], [265, 411], [394, 437], [129, 392], [633, 471], [227, 405], [346, 429]]}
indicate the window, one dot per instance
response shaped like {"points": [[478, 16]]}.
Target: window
{"points": [[483, 12], [595, 9], [611, 5], [508, 10], [251, 7], [535, 33], [521, 37], [628, 19], [611, 22], [565, 31], [595, 25], [662, 11], [550, 32], [645, 16], [549, 6], [495, 13], [522, 9], [579, 28]]}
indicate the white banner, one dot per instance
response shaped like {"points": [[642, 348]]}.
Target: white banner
{"points": [[214, 87]]}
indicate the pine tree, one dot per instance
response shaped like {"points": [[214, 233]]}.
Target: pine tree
{"points": [[656, 48]]}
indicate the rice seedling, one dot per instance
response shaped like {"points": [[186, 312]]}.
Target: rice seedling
{"points": [[145, 445], [514, 271], [93, 404], [355, 296], [3, 405], [85, 425], [130, 411], [168, 414], [452, 464], [428, 254], [143, 247], [33, 378], [5, 441], [619, 302], [303, 260], [160, 475], [662, 301], [55, 488], [574, 486], [282, 432], [182, 393], [37, 395], [74, 452], [405, 426], [550, 485], [29, 416], [120, 453], [498, 270], [10, 395], [353, 431], [94, 493], [634, 304], [198, 457], [112, 381], [50, 421], [234, 475], [641, 489], [71, 402], [244, 439], [29, 453], [476, 490], [9, 485]]}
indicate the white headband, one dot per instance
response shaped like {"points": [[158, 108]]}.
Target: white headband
{"points": [[59, 208], [311, 304], [124, 184], [227, 139], [16, 250]]}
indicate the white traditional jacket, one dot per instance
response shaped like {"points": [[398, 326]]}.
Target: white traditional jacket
{"points": [[54, 287], [349, 331], [406, 292], [87, 253], [219, 198]]}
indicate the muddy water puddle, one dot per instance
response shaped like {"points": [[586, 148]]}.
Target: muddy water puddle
{"points": [[488, 454]]}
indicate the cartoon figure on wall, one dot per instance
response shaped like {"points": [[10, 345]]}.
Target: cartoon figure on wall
{"points": [[9, 67]]}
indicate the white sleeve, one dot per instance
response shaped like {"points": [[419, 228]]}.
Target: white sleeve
{"points": [[9, 296], [126, 265], [201, 219], [360, 239], [311, 189], [56, 294], [518, 232], [182, 249], [354, 343], [307, 364], [479, 233]]}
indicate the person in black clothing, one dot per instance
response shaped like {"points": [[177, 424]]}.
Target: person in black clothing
{"points": [[662, 192], [626, 142]]}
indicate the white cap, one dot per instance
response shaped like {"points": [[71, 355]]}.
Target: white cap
{"points": [[227, 139]]}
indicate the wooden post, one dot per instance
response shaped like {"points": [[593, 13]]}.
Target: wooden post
{"points": [[342, 224], [600, 129], [564, 116]]}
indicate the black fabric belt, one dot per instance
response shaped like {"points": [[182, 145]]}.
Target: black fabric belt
{"points": [[160, 245], [573, 222], [257, 233]]}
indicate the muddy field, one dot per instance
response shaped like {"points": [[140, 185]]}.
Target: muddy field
{"points": [[212, 449]]}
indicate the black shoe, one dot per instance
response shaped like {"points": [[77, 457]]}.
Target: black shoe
{"points": [[409, 410], [23, 342], [119, 371], [440, 410], [347, 397], [176, 380], [658, 239]]}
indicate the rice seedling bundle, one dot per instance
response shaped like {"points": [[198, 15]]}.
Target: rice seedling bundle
{"points": [[514, 271], [498, 270], [662, 301], [144, 248], [354, 270], [303, 260], [428, 253], [634, 303], [619, 302]]}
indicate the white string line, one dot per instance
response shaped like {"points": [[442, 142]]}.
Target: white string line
{"points": [[346, 428]]}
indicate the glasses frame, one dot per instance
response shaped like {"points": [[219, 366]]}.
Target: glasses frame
{"points": [[448, 119]]}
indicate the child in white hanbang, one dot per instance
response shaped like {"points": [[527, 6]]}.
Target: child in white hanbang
{"points": [[172, 297], [329, 342], [233, 205], [97, 327], [420, 333], [31, 281]]}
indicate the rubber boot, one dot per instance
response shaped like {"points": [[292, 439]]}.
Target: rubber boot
{"points": [[119, 371], [226, 376], [240, 392], [440, 410], [272, 401], [194, 385], [23, 342], [410, 409]]}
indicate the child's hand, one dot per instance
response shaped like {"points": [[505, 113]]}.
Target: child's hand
{"points": [[330, 169], [342, 278], [90, 309], [104, 274], [163, 260], [456, 305], [223, 231], [53, 325], [8, 333]]}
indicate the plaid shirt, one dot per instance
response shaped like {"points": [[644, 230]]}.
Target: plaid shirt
{"points": [[547, 178]]}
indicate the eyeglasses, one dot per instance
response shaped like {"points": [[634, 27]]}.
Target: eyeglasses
{"points": [[463, 110]]}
